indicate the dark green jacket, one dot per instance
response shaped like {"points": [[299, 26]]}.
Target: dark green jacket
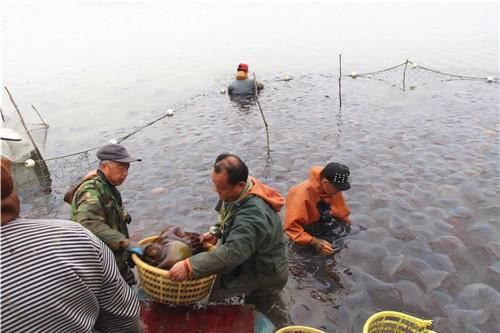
{"points": [[252, 245], [243, 87], [97, 205]]}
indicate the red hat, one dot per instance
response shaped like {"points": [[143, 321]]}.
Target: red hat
{"points": [[243, 67]]}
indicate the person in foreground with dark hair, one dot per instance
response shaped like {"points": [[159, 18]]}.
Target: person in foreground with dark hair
{"points": [[316, 211], [58, 277], [250, 258]]}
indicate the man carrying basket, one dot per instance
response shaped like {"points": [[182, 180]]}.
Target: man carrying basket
{"points": [[251, 256]]}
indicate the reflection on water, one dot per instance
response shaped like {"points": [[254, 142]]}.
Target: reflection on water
{"points": [[424, 196]]}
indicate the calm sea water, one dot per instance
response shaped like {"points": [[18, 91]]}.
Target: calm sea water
{"points": [[425, 161]]}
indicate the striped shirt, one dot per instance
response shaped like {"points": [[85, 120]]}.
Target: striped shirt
{"points": [[56, 276]]}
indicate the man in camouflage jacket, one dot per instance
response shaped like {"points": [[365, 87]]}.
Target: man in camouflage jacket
{"points": [[97, 205]]}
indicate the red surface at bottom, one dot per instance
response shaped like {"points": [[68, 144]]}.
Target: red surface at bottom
{"points": [[160, 318]]}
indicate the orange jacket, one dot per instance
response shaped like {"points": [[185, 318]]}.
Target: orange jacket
{"points": [[268, 194], [302, 208]]}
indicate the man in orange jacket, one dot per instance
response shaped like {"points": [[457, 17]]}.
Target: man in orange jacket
{"points": [[316, 207]]}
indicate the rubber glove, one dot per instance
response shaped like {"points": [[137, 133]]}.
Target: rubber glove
{"points": [[322, 246], [209, 238], [180, 271], [135, 248]]}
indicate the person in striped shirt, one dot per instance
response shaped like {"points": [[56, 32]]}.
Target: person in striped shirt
{"points": [[56, 276]]}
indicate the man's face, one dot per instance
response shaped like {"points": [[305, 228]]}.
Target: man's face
{"points": [[226, 191], [328, 187], [116, 172]]}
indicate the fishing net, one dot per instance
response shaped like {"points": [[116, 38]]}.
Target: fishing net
{"points": [[61, 171]]}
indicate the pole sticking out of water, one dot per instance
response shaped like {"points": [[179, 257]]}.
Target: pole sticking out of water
{"points": [[42, 171], [38, 113], [340, 77], [262, 114], [22, 122], [404, 74]]}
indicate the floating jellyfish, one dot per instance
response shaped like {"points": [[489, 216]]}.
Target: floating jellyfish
{"points": [[494, 248], [341, 316], [390, 264], [300, 313], [478, 296], [158, 190], [401, 204], [476, 317], [359, 299], [447, 244], [432, 279], [480, 234], [410, 292], [440, 262]]}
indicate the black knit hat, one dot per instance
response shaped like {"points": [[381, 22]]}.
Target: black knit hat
{"points": [[338, 175]]}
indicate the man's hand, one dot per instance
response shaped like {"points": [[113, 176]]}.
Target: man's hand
{"points": [[322, 246], [180, 271], [209, 238]]}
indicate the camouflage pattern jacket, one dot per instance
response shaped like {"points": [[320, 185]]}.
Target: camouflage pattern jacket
{"points": [[97, 205]]}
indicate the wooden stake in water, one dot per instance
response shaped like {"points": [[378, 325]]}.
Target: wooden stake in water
{"points": [[38, 113], [42, 171], [404, 75], [22, 121], [340, 77], [262, 114]]}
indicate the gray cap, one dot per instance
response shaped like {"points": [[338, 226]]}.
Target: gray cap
{"points": [[116, 153]]}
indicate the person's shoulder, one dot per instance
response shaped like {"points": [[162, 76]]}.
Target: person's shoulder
{"points": [[254, 205], [303, 186], [95, 183], [49, 224], [233, 83], [53, 232]]}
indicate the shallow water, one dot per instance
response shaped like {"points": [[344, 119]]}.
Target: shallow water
{"points": [[425, 185], [424, 162]]}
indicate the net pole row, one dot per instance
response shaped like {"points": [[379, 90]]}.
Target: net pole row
{"points": [[263, 117], [340, 78], [404, 75], [38, 113]]}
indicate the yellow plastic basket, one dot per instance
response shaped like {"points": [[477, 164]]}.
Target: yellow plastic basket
{"points": [[163, 290], [396, 322], [298, 329]]}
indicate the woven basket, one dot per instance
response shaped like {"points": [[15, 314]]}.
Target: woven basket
{"points": [[163, 290], [396, 322], [298, 329]]}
